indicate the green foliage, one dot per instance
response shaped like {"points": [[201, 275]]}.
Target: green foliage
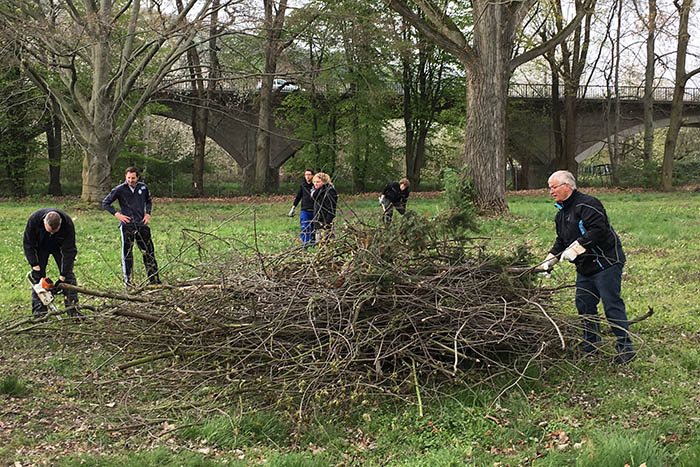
{"points": [[11, 385], [157, 457], [616, 449], [21, 109], [314, 119], [234, 431], [639, 172], [298, 459], [460, 217]]}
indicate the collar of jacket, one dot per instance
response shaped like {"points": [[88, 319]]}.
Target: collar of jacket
{"points": [[566, 202]]}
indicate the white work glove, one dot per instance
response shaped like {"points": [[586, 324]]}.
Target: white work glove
{"points": [[573, 251], [381, 200], [291, 211], [549, 262]]}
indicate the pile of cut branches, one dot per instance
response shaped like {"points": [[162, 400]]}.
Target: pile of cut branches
{"points": [[390, 310]]}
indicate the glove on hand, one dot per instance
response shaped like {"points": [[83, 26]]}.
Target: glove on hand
{"points": [[573, 251], [291, 211], [549, 262]]}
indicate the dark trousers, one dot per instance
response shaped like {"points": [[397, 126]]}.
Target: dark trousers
{"points": [[142, 236], [389, 210], [590, 290], [70, 298]]}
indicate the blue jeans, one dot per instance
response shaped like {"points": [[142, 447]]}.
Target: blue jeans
{"points": [[590, 290], [307, 227]]}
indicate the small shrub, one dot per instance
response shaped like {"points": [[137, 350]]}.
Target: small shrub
{"points": [[298, 459], [235, 431], [12, 386], [614, 450]]}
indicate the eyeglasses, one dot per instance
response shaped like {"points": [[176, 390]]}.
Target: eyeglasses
{"points": [[556, 186]]}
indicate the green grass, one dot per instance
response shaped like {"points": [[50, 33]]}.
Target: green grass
{"points": [[11, 385], [647, 412]]}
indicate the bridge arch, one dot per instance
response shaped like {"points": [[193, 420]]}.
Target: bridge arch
{"points": [[688, 121]]}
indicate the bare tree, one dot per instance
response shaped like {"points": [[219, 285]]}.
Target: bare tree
{"points": [[488, 60], [574, 54], [273, 27], [96, 71], [423, 81], [54, 142], [649, 77], [682, 77], [203, 80]]}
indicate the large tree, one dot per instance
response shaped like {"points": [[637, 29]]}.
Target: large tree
{"points": [[486, 51], [203, 76], [105, 60], [274, 44], [425, 74], [682, 76]]}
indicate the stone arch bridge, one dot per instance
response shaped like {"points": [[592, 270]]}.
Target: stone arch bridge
{"points": [[234, 115]]}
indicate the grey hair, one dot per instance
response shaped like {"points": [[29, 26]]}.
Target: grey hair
{"points": [[563, 176], [53, 220]]}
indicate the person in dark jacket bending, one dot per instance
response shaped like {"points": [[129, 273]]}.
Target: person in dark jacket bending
{"points": [[134, 214], [325, 199], [51, 232], [586, 238], [394, 195], [307, 208]]}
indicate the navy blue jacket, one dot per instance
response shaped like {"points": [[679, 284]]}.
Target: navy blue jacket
{"points": [[37, 239], [134, 204], [583, 218], [392, 192], [304, 195]]}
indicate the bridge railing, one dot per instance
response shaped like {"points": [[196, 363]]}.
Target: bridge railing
{"points": [[544, 91]]}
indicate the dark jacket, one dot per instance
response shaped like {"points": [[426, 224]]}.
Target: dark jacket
{"points": [[135, 205], [37, 239], [582, 218], [304, 195], [392, 192], [325, 201]]}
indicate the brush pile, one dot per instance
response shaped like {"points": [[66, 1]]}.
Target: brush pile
{"points": [[383, 310], [388, 310]]}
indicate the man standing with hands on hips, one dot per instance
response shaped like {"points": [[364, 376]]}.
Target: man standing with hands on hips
{"points": [[586, 238], [134, 214]]}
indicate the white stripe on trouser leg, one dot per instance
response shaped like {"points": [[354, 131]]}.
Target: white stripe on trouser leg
{"points": [[126, 278]]}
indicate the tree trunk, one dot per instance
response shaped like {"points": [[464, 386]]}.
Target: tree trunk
{"points": [[484, 155], [97, 171], [649, 84], [200, 122], [54, 142], [262, 138], [273, 25], [248, 179], [571, 117], [556, 120], [676, 116]]}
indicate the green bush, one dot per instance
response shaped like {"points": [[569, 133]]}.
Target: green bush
{"points": [[13, 386], [617, 449]]}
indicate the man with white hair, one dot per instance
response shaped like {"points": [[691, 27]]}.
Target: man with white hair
{"points": [[586, 238], [50, 232]]}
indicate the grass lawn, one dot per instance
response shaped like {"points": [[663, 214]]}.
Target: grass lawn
{"points": [[583, 412]]}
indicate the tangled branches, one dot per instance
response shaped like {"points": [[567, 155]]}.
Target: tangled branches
{"points": [[372, 311]]}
